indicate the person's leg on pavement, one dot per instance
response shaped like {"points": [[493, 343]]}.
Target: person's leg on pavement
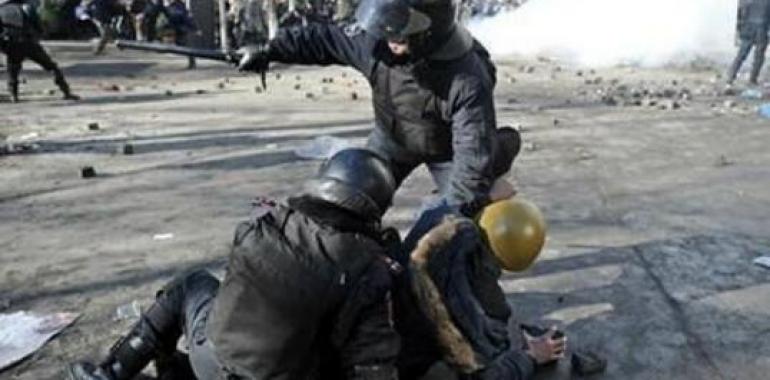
{"points": [[14, 60], [101, 28], [181, 39], [760, 49], [198, 305], [743, 52], [185, 299], [37, 54]]}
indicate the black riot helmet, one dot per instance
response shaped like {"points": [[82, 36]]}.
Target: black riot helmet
{"points": [[394, 20], [357, 180], [429, 26]]}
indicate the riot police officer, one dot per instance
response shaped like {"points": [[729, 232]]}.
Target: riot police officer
{"points": [[20, 31], [305, 296], [432, 89], [753, 28]]}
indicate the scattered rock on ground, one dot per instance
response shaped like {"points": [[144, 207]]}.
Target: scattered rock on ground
{"points": [[87, 172], [723, 161], [111, 87]]}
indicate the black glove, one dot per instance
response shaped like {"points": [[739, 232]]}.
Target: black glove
{"points": [[254, 58]]}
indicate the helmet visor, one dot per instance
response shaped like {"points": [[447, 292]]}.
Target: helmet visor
{"points": [[391, 19]]}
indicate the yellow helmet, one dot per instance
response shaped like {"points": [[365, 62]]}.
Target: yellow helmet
{"points": [[515, 231]]}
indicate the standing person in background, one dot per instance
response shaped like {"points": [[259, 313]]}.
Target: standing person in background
{"points": [[149, 19], [753, 27], [250, 21], [20, 31], [136, 10], [102, 14], [180, 23]]}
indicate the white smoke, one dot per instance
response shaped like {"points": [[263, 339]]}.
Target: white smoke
{"points": [[610, 32]]}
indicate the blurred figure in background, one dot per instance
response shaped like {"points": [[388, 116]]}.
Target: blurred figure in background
{"points": [[179, 24], [106, 16], [20, 32], [753, 26]]}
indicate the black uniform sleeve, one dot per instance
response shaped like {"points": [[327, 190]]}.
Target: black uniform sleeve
{"points": [[323, 44], [473, 131], [364, 333]]}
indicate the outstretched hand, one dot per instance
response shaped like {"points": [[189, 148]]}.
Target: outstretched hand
{"points": [[545, 348]]}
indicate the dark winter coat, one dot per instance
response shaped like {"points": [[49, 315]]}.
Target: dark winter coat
{"points": [[306, 296], [453, 283], [754, 19], [432, 110]]}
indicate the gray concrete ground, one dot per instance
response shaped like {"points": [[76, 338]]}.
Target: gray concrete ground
{"points": [[655, 210]]}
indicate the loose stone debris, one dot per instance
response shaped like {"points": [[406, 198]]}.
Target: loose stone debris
{"points": [[88, 172], [128, 149]]}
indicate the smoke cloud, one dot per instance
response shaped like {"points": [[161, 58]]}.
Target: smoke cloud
{"points": [[611, 32]]}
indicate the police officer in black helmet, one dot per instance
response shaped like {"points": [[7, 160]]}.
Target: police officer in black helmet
{"points": [[20, 31], [432, 91], [305, 296]]}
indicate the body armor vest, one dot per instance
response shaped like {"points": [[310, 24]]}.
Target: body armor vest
{"points": [[286, 277], [411, 114]]}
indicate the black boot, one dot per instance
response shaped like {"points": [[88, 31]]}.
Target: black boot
{"points": [[155, 335], [126, 359], [13, 88], [64, 86]]}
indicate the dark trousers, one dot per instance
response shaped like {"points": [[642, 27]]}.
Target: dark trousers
{"points": [[403, 162], [181, 38], [183, 306], [149, 20], [759, 43], [18, 51], [106, 34]]}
